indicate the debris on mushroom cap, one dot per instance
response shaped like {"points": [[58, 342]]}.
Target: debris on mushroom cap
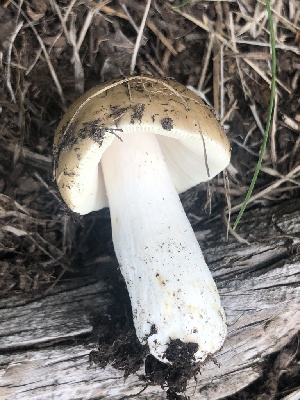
{"points": [[192, 141]]}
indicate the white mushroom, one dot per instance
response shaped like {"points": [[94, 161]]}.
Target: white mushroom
{"points": [[134, 144]]}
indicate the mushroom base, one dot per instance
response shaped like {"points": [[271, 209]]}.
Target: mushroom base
{"points": [[172, 292]]}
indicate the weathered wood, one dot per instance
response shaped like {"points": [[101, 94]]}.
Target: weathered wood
{"points": [[293, 396], [42, 355]]}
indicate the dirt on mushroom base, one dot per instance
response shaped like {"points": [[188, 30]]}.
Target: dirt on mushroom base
{"points": [[119, 347], [42, 242]]}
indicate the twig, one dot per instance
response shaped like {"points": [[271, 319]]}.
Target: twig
{"points": [[206, 62], [238, 237], [222, 91], [45, 184], [8, 61], [78, 68], [88, 21], [228, 200], [292, 27], [62, 20], [50, 66], [36, 58], [272, 172], [238, 64], [129, 17], [43, 161], [139, 38], [273, 131], [69, 9], [161, 37], [229, 112], [217, 60], [229, 45], [256, 117], [270, 188]]}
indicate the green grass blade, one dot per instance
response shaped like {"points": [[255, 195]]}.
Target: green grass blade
{"points": [[270, 114], [184, 3]]}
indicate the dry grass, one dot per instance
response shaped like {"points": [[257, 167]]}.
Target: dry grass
{"points": [[51, 51]]}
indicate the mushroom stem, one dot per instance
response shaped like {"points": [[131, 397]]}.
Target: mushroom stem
{"points": [[172, 292]]}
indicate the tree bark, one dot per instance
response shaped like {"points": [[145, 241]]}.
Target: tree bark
{"points": [[46, 339]]}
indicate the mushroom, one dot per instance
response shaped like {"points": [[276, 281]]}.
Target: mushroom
{"points": [[133, 144]]}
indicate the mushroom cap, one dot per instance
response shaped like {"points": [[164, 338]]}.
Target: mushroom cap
{"points": [[192, 141]]}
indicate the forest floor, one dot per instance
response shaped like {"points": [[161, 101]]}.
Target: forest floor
{"points": [[51, 51]]}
